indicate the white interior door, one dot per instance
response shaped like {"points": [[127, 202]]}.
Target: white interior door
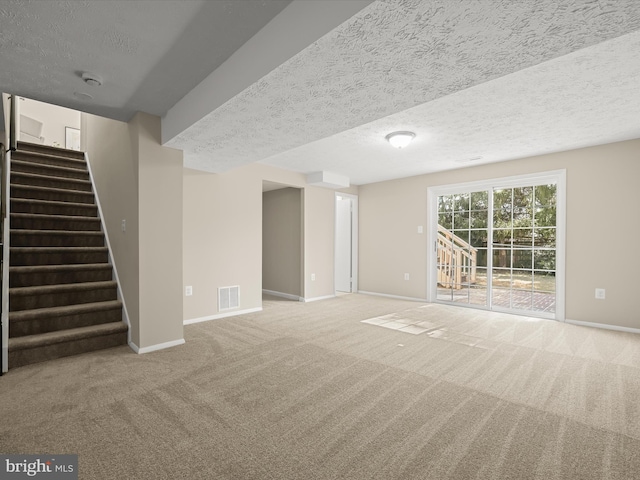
{"points": [[343, 256]]}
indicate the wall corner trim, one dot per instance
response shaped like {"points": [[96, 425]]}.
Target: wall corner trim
{"points": [[413, 299], [153, 348], [315, 299], [604, 326], [221, 315]]}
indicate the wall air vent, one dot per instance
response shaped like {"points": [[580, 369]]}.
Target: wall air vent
{"points": [[228, 298]]}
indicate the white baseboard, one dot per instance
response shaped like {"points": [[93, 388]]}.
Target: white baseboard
{"points": [[603, 325], [398, 297], [288, 296], [315, 299], [221, 315], [153, 348]]}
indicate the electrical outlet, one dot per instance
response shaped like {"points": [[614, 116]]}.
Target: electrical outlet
{"points": [[420, 229], [600, 293], [313, 277], [406, 276], [124, 225], [188, 291]]}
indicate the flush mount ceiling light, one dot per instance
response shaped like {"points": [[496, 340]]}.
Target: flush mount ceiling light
{"points": [[400, 139], [91, 79]]}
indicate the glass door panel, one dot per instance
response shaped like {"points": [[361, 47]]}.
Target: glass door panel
{"points": [[496, 248], [462, 243]]}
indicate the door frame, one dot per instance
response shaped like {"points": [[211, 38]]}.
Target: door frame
{"points": [[354, 239], [559, 177]]}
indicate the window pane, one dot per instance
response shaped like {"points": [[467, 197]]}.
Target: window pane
{"points": [[501, 278], [501, 297], [461, 202], [522, 258], [462, 235], [479, 200], [544, 237], [481, 257], [545, 205], [521, 299], [479, 238], [478, 295], [481, 277], [446, 220], [445, 203], [544, 260], [502, 258], [522, 237], [461, 219], [502, 217], [479, 218], [544, 281], [544, 302], [522, 280], [502, 237]]}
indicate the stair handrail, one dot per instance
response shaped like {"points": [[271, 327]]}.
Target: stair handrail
{"points": [[455, 258]]}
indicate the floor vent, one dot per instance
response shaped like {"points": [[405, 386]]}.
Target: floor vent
{"points": [[228, 298]]}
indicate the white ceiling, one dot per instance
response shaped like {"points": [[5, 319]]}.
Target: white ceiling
{"points": [[500, 79]]}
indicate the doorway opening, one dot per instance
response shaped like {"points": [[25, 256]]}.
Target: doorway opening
{"points": [[282, 241], [346, 244], [499, 245]]}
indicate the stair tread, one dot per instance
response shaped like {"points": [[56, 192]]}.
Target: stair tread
{"points": [[52, 202], [57, 288], [19, 162], [57, 268], [81, 162], [25, 231], [51, 177], [47, 216], [69, 335], [57, 249], [50, 189], [26, 315]]}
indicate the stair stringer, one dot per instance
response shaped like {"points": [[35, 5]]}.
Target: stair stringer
{"points": [[125, 311], [6, 238]]}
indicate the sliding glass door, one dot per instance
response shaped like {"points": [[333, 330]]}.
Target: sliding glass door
{"points": [[496, 244]]}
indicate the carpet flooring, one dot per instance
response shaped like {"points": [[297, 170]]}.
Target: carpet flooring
{"points": [[308, 391]]}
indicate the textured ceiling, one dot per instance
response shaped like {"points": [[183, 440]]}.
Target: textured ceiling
{"points": [[395, 55], [499, 79], [149, 54], [588, 97]]}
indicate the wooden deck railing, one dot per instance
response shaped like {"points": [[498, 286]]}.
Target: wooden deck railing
{"points": [[457, 260]]}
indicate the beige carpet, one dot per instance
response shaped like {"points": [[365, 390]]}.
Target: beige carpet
{"points": [[308, 391]]}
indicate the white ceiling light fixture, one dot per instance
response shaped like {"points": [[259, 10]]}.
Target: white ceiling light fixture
{"points": [[91, 79], [400, 139]]}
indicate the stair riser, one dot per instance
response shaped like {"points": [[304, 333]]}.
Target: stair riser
{"points": [[57, 258], [19, 239], [23, 191], [53, 209], [43, 169], [25, 148], [55, 324], [59, 277], [36, 223], [50, 182], [19, 358], [18, 303]]}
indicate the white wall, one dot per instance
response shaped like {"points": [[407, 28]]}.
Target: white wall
{"points": [[602, 230], [53, 117]]}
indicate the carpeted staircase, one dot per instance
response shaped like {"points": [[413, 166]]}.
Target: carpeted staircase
{"points": [[62, 296]]}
